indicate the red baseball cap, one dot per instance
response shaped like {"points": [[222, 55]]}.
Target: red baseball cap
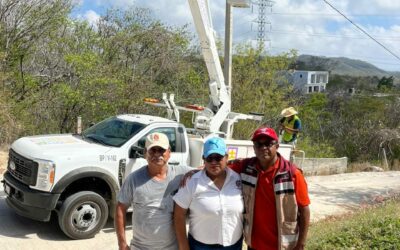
{"points": [[269, 132]]}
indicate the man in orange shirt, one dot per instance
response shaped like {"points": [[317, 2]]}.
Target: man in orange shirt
{"points": [[275, 195]]}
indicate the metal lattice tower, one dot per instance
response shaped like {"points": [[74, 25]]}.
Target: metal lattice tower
{"points": [[262, 19]]}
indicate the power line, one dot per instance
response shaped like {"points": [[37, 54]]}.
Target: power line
{"points": [[315, 34], [296, 32], [290, 32], [330, 14], [362, 30]]}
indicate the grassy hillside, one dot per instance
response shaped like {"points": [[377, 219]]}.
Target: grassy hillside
{"points": [[341, 66]]}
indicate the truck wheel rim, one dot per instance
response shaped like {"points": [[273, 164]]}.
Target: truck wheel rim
{"points": [[85, 216]]}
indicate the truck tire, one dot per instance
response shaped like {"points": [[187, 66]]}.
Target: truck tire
{"points": [[82, 215]]}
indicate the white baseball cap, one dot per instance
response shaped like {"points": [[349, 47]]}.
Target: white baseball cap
{"points": [[157, 139]]}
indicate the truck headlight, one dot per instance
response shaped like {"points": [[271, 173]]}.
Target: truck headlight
{"points": [[45, 176]]}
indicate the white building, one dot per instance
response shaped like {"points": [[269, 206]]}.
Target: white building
{"points": [[310, 81]]}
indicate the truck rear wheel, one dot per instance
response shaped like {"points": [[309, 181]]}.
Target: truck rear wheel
{"points": [[82, 215]]}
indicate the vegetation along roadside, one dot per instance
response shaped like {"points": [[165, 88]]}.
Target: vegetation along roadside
{"points": [[376, 227]]}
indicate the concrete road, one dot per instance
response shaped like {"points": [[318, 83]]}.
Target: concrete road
{"points": [[20, 233], [338, 194]]}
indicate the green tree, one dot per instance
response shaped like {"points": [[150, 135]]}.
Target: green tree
{"points": [[385, 83], [315, 117], [354, 123], [23, 24], [147, 55], [74, 69], [259, 86], [25, 27]]}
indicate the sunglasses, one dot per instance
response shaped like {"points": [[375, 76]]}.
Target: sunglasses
{"points": [[155, 150], [267, 144], [216, 158]]}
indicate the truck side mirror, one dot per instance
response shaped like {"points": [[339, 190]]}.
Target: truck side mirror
{"points": [[136, 152]]}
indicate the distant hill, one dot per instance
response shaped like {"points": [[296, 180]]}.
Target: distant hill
{"points": [[341, 66]]}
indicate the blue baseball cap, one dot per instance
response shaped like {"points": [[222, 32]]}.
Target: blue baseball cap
{"points": [[214, 145]]}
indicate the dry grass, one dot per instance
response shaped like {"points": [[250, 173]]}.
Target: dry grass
{"points": [[394, 165], [358, 166], [3, 159], [10, 127]]}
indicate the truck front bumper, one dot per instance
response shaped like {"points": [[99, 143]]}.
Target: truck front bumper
{"points": [[27, 202]]}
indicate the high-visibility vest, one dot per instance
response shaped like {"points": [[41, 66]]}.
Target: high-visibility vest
{"points": [[288, 135]]}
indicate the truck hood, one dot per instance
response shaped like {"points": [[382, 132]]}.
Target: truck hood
{"points": [[52, 147]]}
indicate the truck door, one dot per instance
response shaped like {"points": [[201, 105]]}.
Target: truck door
{"points": [[178, 149]]}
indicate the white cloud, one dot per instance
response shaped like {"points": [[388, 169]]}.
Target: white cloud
{"points": [[324, 32], [92, 17], [310, 26], [376, 6], [173, 12], [116, 3]]}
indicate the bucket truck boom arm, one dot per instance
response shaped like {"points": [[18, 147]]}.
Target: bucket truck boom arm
{"points": [[220, 102], [217, 117]]}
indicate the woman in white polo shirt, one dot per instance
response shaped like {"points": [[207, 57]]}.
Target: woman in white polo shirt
{"points": [[214, 198]]}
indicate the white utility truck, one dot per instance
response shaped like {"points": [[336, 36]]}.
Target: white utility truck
{"points": [[78, 176]]}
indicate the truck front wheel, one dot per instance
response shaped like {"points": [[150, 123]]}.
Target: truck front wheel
{"points": [[82, 215]]}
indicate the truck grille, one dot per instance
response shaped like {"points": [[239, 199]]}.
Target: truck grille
{"points": [[25, 169]]}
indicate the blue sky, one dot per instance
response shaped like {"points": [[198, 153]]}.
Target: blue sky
{"points": [[309, 26]]}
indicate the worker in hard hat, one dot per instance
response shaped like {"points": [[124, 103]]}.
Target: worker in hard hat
{"points": [[290, 126]]}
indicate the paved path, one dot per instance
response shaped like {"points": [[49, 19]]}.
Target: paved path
{"points": [[330, 195], [20, 233], [342, 193]]}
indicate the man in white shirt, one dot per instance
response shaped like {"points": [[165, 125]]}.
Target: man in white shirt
{"points": [[214, 197]]}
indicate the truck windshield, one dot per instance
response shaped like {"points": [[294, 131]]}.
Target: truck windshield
{"points": [[112, 132]]}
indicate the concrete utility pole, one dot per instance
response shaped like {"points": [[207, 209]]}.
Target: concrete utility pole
{"points": [[228, 39], [228, 48]]}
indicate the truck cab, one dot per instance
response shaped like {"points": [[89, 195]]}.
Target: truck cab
{"points": [[79, 175]]}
